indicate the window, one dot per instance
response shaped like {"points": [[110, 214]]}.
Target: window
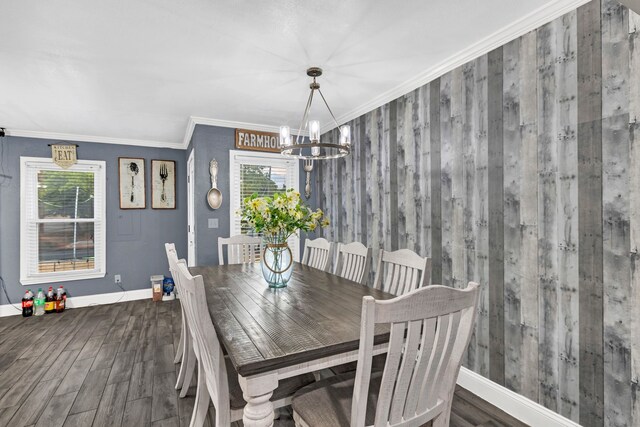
{"points": [[264, 174], [62, 221]]}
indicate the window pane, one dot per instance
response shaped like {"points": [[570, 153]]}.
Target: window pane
{"points": [[65, 247], [65, 194], [263, 180]]}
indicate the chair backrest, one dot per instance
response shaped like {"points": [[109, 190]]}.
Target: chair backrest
{"points": [[317, 253], [430, 330], [403, 271], [172, 258], [205, 342], [354, 262], [241, 249]]}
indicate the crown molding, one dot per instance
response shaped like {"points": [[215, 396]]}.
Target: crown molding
{"points": [[533, 20], [194, 120], [92, 138]]}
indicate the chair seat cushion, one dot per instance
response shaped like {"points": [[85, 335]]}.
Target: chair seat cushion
{"points": [[328, 402], [286, 387]]}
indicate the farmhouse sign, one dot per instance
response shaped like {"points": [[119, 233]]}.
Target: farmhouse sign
{"points": [[64, 155], [257, 141]]}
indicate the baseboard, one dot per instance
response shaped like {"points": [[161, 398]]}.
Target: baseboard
{"points": [[87, 300], [514, 404]]}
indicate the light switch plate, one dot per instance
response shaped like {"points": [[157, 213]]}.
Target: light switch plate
{"points": [[213, 222]]}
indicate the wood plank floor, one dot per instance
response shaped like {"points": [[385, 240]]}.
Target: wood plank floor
{"points": [[112, 365]]}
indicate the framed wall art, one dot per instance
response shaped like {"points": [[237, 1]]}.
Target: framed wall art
{"points": [[131, 176], [163, 184]]}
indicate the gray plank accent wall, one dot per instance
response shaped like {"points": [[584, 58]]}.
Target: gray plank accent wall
{"points": [[547, 214], [481, 213], [521, 216], [521, 170], [616, 216], [591, 369], [634, 136], [436, 182], [495, 199], [567, 214], [446, 159], [422, 135]]}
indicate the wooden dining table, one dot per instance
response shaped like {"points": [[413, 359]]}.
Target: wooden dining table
{"points": [[273, 334]]}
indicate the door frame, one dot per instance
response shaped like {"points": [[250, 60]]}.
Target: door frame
{"points": [[191, 218]]}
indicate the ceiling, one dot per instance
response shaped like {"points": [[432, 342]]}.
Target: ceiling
{"points": [[139, 69]]}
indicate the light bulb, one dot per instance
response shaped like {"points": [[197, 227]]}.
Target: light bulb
{"points": [[314, 130], [285, 136], [345, 135]]}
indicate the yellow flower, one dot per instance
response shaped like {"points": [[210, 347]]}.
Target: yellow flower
{"points": [[325, 222]]}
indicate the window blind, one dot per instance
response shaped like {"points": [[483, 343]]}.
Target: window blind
{"points": [[262, 175], [62, 221]]}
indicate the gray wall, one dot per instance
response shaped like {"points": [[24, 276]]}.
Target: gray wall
{"points": [[520, 170], [135, 238], [215, 142]]}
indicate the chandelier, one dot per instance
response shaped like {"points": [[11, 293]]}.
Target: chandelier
{"points": [[314, 149]]}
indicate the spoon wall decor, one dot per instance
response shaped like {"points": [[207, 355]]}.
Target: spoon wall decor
{"points": [[214, 196]]}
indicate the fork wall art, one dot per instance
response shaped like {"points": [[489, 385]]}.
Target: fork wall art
{"points": [[163, 184], [131, 177]]}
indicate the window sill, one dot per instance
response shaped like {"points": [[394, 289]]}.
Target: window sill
{"points": [[61, 277]]}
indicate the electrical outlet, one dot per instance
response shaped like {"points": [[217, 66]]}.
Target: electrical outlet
{"points": [[117, 278], [213, 223]]}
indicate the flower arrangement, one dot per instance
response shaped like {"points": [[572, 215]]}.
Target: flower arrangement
{"points": [[280, 216]]}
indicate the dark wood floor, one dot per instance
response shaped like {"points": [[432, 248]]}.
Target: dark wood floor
{"points": [[112, 365]]}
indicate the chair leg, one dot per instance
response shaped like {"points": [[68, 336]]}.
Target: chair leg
{"points": [[188, 375], [188, 354], [181, 345], [201, 404]]}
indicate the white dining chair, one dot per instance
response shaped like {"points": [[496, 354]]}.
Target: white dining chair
{"points": [[354, 262], [217, 378], [241, 249], [184, 352], [403, 271], [430, 331], [317, 253]]}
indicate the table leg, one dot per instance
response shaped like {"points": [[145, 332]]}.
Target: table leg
{"points": [[257, 391]]}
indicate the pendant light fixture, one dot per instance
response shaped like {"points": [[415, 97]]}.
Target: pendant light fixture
{"points": [[314, 149]]}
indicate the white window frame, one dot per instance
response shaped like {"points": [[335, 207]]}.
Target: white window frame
{"points": [[260, 158], [28, 164]]}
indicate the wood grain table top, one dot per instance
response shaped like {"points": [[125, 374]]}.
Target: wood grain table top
{"points": [[262, 329]]}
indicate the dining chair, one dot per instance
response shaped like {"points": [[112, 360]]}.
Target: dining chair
{"points": [[241, 249], [217, 378], [403, 271], [317, 253], [354, 262], [184, 352], [430, 330]]}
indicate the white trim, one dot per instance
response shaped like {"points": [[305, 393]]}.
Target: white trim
{"points": [[533, 20], [87, 300], [100, 267], [514, 404], [191, 219], [93, 138]]}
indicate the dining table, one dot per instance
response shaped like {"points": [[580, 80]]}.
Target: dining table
{"points": [[271, 334]]}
